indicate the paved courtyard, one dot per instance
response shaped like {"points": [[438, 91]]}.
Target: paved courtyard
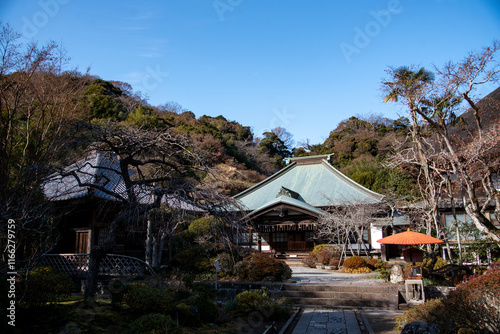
{"points": [[305, 275]]}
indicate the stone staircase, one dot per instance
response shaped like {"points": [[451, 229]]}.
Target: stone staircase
{"points": [[342, 296], [292, 258]]}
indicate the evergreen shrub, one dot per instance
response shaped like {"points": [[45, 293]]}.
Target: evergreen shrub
{"points": [[354, 262], [146, 299], [45, 285], [154, 323], [258, 266]]}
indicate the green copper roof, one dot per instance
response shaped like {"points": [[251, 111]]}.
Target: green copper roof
{"points": [[318, 184], [292, 202]]}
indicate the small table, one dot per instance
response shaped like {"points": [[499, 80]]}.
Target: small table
{"points": [[414, 291]]}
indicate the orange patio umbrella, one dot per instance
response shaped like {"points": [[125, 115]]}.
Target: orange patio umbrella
{"points": [[409, 238]]}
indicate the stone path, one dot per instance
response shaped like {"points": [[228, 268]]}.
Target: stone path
{"points": [[323, 321], [305, 275], [333, 321]]}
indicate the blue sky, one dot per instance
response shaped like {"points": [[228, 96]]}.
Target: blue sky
{"points": [[302, 65]]}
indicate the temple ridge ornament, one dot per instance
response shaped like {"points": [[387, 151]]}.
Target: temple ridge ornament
{"points": [[287, 192]]}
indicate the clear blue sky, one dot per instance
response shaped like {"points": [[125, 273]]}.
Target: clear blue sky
{"points": [[302, 65]]}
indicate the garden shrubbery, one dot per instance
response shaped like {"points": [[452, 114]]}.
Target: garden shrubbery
{"points": [[354, 262], [154, 323], [258, 301], [45, 285], [327, 255], [473, 306], [258, 266], [148, 299]]}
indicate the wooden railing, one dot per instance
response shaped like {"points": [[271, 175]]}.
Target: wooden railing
{"points": [[77, 265]]}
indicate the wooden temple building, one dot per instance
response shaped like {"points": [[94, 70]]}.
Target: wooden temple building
{"points": [[284, 208]]}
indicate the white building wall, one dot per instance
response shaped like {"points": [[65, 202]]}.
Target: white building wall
{"points": [[376, 234]]}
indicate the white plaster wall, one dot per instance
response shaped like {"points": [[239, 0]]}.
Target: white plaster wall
{"points": [[376, 234]]}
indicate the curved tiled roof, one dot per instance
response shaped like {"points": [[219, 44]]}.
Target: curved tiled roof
{"points": [[317, 182], [291, 202], [102, 169]]}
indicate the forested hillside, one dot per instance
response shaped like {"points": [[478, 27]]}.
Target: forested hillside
{"points": [[41, 103], [361, 147], [243, 158]]}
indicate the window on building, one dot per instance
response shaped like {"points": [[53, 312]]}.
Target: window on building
{"points": [[281, 237], [466, 227]]}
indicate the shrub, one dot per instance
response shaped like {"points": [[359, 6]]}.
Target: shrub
{"points": [[154, 323], [231, 305], [362, 270], [258, 266], [381, 264], [354, 262], [334, 262], [249, 301], [371, 263], [204, 226], [383, 272], [319, 248], [45, 285], [426, 263], [309, 261], [478, 302], [325, 255], [187, 315], [473, 307], [146, 299], [207, 310], [193, 260], [431, 311]]}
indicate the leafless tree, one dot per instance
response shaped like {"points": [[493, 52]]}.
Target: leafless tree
{"points": [[37, 102], [152, 164], [452, 161], [346, 224]]}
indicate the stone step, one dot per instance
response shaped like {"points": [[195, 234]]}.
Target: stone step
{"points": [[342, 303], [342, 296], [334, 295], [337, 288]]}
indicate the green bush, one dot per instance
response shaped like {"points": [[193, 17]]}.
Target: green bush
{"points": [[207, 310], [193, 260], [187, 316], [204, 226], [249, 302], [146, 299], [426, 264], [204, 289], [154, 323], [45, 285], [258, 266], [354, 262]]}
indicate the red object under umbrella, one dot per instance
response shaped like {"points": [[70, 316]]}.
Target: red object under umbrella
{"points": [[409, 238]]}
